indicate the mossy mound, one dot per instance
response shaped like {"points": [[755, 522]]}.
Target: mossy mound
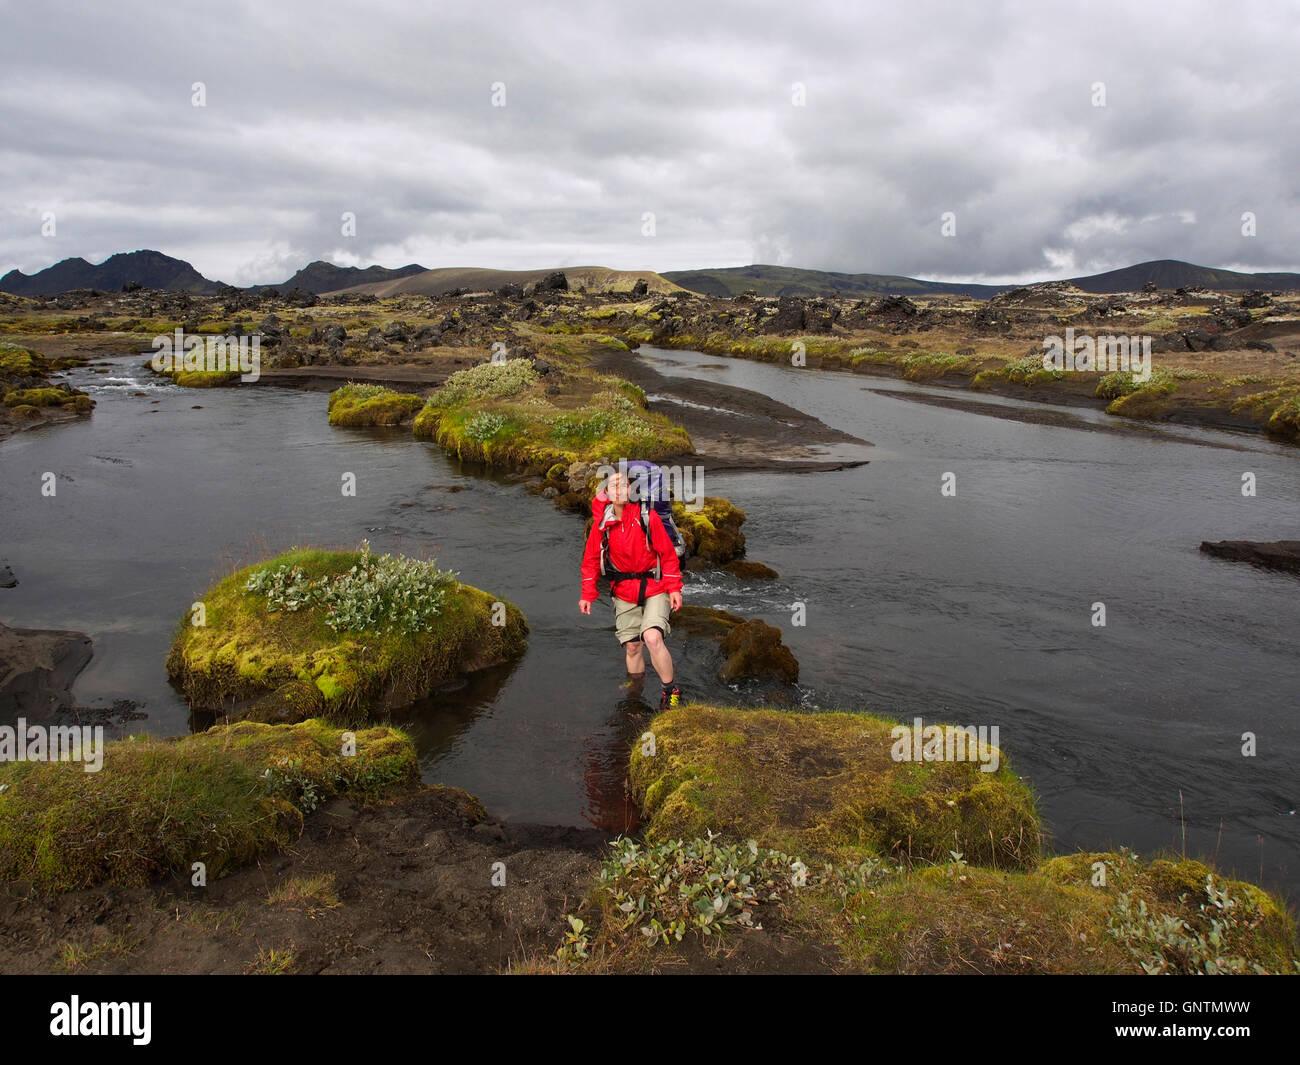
{"points": [[754, 649], [750, 648], [750, 571], [705, 621], [826, 784], [156, 806], [894, 860], [505, 414], [18, 362], [364, 405], [1262, 931], [712, 532], [26, 392], [284, 666], [38, 397], [204, 379]]}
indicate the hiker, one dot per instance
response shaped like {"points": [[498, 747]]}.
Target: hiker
{"points": [[630, 545]]}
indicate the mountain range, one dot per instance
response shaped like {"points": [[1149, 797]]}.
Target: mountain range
{"points": [[154, 270]]}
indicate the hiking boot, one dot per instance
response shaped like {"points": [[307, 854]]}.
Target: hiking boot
{"points": [[670, 697]]}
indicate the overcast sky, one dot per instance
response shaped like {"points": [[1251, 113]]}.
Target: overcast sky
{"points": [[686, 111]]}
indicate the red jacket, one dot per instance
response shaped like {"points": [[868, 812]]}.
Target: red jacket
{"points": [[628, 552]]}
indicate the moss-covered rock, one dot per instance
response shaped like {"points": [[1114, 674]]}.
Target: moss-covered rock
{"points": [[754, 649], [18, 362], [205, 378], [710, 622], [826, 784], [246, 659], [750, 571], [750, 648], [712, 532], [37, 397], [156, 806], [366, 405]]}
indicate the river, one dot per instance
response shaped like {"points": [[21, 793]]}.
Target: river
{"points": [[974, 608]]}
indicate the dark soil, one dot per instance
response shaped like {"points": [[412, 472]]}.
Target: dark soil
{"points": [[1059, 418], [1281, 555], [413, 890], [739, 429], [414, 894]]}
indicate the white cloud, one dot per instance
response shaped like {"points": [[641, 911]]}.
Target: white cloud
{"points": [[681, 109]]}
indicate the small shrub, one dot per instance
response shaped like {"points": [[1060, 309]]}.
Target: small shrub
{"points": [[487, 380], [380, 593], [1168, 944], [485, 425]]}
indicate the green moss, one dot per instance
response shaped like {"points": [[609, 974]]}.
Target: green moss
{"points": [[1276, 409], [1176, 887], [246, 655], [1114, 385], [17, 361], [926, 365], [517, 420], [826, 784], [961, 888], [38, 397], [365, 405], [205, 378], [220, 797], [713, 531]]}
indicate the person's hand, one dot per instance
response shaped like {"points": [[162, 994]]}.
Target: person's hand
{"points": [[585, 605], [675, 600]]}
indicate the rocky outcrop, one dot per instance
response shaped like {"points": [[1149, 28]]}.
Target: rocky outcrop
{"points": [[751, 649], [37, 670], [1278, 554]]}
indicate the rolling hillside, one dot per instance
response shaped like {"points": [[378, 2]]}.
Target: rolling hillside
{"points": [[790, 281], [474, 279]]}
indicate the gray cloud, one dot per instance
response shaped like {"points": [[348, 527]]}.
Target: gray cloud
{"points": [[683, 110]]}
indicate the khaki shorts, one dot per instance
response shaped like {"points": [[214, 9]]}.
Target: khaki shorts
{"points": [[631, 620]]}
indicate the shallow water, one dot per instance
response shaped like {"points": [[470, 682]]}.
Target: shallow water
{"points": [[974, 609]]}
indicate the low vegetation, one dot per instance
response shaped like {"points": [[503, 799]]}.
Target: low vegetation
{"points": [[347, 634], [805, 825], [220, 797], [365, 405], [506, 414]]}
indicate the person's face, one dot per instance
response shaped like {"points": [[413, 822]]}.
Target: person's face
{"points": [[617, 488]]}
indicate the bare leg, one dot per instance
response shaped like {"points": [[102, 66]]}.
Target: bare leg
{"points": [[659, 655], [635, 659]]}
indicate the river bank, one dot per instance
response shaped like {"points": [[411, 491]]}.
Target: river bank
{"points": [[774, 842]]}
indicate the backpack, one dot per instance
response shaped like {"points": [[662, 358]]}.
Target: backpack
{"points": [[648, 487]]}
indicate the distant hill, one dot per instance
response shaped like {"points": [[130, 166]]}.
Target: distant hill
{"points": [[790, 281], [1171, 273], [151, 269], [321, 276], [474, 279]]}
